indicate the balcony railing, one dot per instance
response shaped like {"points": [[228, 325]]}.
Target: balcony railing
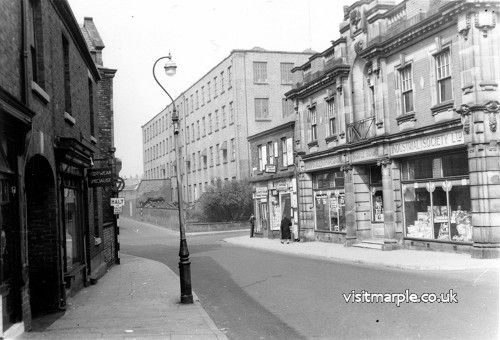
{"points": [[361, 130]]}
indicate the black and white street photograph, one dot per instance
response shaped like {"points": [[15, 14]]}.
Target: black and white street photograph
{"points": [[249, 169]]}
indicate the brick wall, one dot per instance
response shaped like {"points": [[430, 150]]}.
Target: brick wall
{"points": [[10, 47]]}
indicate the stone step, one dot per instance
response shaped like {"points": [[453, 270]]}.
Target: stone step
{"points": [[369, 245]]}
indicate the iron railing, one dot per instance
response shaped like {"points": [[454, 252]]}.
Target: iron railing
{"points": [[361, 130]]}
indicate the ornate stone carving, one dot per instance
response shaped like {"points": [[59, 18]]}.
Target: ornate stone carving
{"points": [[358, 46], [464, 112], [485, 21], [355, 18], [492, 107], [463, 25]]}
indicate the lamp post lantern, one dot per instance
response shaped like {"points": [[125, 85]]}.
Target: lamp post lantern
{"points": [[184, 263]]}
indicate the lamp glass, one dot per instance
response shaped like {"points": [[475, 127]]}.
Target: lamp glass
{"points": [[170, 68]]}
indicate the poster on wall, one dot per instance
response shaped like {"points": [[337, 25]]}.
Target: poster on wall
{"points": [[275, 216]]}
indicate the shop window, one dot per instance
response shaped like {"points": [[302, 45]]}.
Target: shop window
{"points": [[439, 208], [329, 199], [73, 232]]}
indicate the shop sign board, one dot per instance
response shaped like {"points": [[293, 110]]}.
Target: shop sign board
{"points": [[270, 168], [117, 209], [324, 162], [259, 195], [281, 186], [101, 177], [366, 154], [438, 141]]}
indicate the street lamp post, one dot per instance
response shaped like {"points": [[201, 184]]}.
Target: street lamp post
{"points": [[184, 263]]}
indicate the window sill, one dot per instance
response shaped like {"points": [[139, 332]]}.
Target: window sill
{"points": [[263, 119], [330, 232], [69, 119], [312, 144], [405, 117], [261, 82], [233, 160], [40, 92], [332, 138], [444, 106], [93, 140]]}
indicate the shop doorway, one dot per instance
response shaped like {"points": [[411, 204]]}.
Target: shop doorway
{"points": [[10, 262], [377, 202], [42, 236], [286, 205], [263, 217]]}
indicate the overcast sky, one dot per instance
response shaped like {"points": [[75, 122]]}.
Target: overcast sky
{"points": [[199, 34]]}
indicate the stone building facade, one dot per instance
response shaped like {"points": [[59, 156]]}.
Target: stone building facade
{"points": [[239, 97], [398, 127], [49, 136]]}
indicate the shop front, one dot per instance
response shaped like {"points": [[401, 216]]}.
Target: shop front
{"points": [[435, 192], [73, 159], [274, 199]]}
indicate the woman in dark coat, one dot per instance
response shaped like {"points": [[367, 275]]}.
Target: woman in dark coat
{"points": [[285, 229]]}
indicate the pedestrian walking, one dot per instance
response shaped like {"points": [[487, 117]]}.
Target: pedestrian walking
{"points": [[285, 229], [252, 224]]}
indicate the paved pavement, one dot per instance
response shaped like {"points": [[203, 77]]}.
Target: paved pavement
{"points": [[137, 299], [402, 259]]}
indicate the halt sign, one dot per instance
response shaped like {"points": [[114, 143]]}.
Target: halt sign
{"points": [[117, 201]]}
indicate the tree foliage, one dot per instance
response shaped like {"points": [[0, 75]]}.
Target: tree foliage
{"points": [[227, 201]]}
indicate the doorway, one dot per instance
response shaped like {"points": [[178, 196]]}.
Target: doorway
{"points": [[10, 261], [263, 217], [43, 258]]}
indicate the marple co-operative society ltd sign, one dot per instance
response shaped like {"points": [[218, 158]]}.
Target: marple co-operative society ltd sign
{"points": [[101, 177], [438, 141]]}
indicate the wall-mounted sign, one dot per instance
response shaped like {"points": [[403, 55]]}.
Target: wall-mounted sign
{"points": [[321, 163], [117, 201], [281, 186], [101, 177], [366, 154], [433, 142], [270, 168], [117, 210]]}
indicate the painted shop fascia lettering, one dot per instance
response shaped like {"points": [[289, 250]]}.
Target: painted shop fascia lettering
{"points": [[397, 149]]}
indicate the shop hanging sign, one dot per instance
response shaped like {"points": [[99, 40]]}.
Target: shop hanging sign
{"points": [[101, 177], [433, 142]]}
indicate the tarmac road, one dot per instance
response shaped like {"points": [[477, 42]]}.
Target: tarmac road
{"points": [[253, 294]]}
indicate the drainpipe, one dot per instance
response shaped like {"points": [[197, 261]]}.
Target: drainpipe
{"points": [[24, 54]]}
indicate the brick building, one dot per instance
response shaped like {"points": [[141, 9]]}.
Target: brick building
{"points": [[53, 230], [274, 179], [398, 129], [239, 97]]}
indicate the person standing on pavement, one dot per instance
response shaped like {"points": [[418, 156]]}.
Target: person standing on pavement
{"points": [[252, 224], [285, 229]]}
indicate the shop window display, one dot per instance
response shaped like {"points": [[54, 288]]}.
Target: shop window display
{"points": [[329, 199], [438, 207]]}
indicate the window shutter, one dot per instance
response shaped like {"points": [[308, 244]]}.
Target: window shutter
{"points": [[289, 148], [264, 156], [397, 91]]}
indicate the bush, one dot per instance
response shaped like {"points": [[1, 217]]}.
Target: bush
{"points": [[227, 201]]}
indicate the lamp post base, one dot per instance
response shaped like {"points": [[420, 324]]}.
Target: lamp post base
{"points": [[185, 273]]}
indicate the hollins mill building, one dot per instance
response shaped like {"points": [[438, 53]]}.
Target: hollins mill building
{"points": [[397, 137], [56, 123]]}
